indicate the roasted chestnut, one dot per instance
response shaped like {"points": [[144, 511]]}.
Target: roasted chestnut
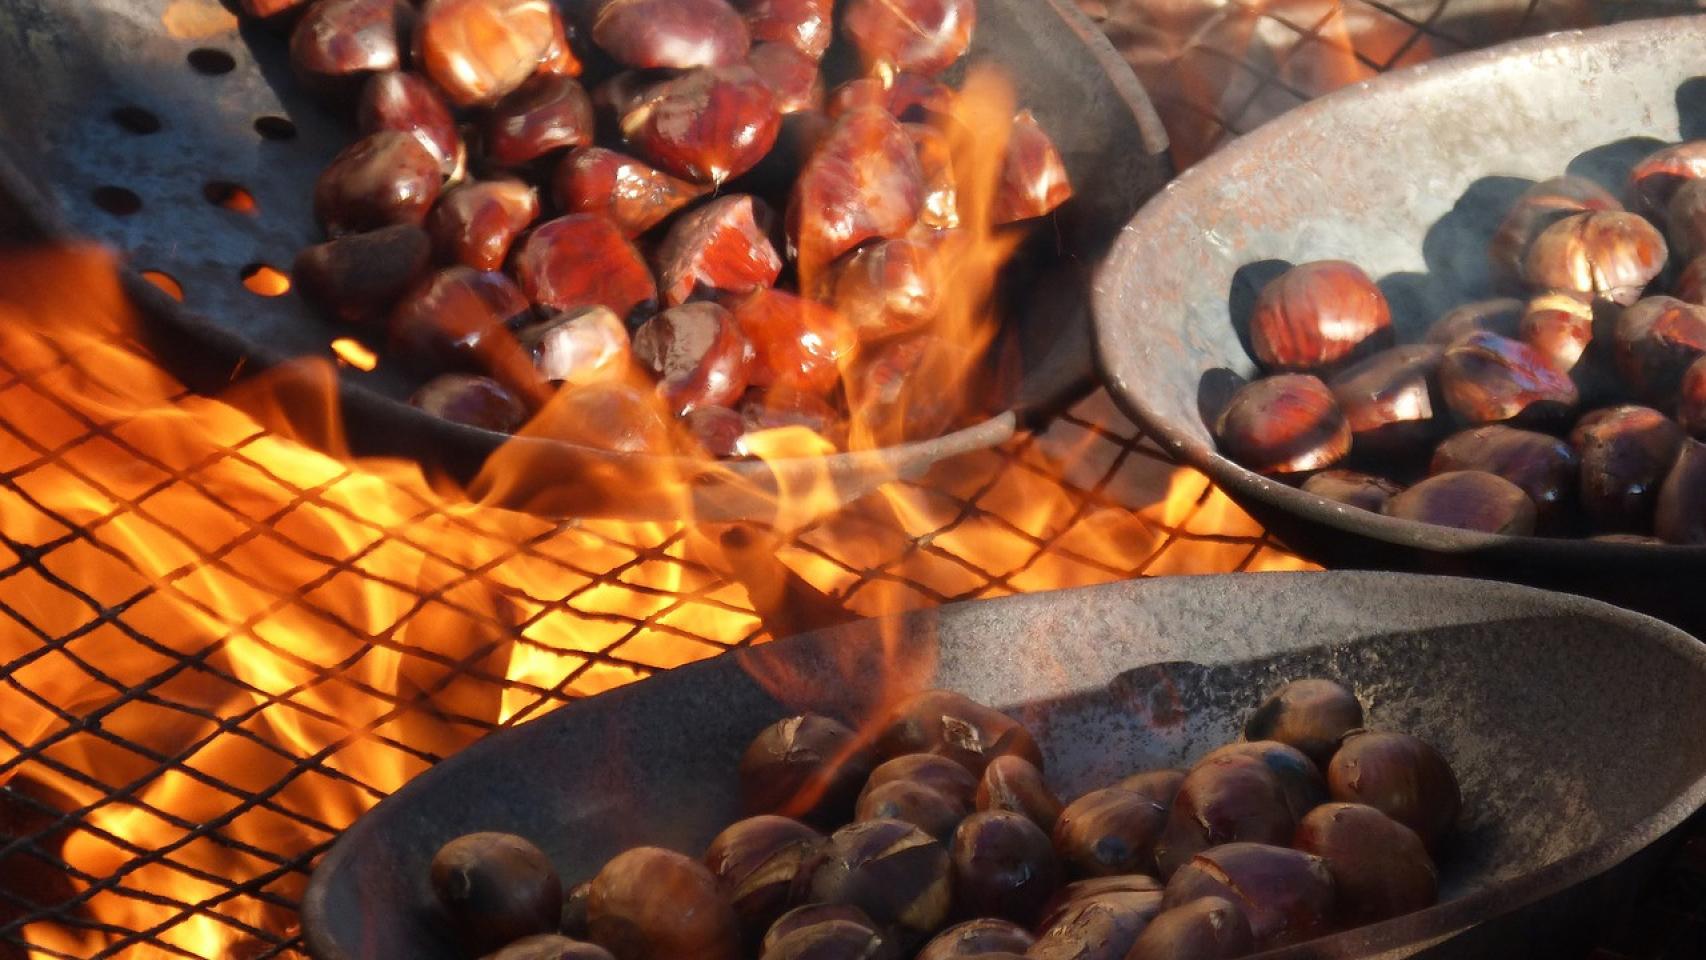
{"points": [[1380, 867], [1003, 865], [956, 727], [1310, 715], [1626, 453], [1610, 256], [863, 182], [699, 355], [1319, 314], [630, 194], [605, 415], [1207, 928], [477, 51], [1543, 466], [458, 319], [915, 36], [1034, 181], [810, 915], [1656, 179], [765, 866], [1015, 784], [977, 938], [547, 112], [1388, 399], [718, 250], [1467, 500], [1654, 341], [1299, 779], [583, 260], [1162, 786], [1287, 895], [707, 125], [1109, 832], [1285, 424], [916, 803], [941, 774], [791, 75], [1092, 887], [798, 345], [654, 904], [1539, 207], [717, 431], [803, 24], [1225, 799], [893, 871], [359, 276], [1691, 400], [577, 347], [495, 888], [941, 208], [550, 946], [1487, 378], [475, 223], [1681, 514], [1691, 282], [830, 940], [382, 179], [672, 34], [337, 39], [1502, 316], [1402, 777], [886, 288], [1560, 327], [883, 388], [472, 400], [1361, 490], [809, 767], [408, 103], [1102, 927], [1685, 221]]}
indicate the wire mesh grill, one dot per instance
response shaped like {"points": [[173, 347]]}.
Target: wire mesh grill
{"points": [[224, 648]]}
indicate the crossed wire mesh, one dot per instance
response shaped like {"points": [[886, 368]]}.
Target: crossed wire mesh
{"points": [[165, 796]]}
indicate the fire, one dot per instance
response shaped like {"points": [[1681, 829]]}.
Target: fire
{"points": [[229, 638]]}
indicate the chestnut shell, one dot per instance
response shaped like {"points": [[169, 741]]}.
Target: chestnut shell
{"points": [[1319, 314]]}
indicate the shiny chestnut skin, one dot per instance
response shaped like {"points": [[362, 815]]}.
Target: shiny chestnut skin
{"points": [[1224, 799], [798, 345], [477, 51], [1389, 401], [706, 125], [1654, 341], [605, 415], [1681, 513], [1318, 314], [807, 766], [563, 54], [548, 112], [471, 400], [718, 250], [831, 940], [976, 938], [895, 872], [1467, 500], [623, 190], [1543, 466], [941, 774], [408, 103], [1034, 182], [959, 728], [803, 24], [1299, 778], [1003, 866], [791, 75], [648, 903], [671, 34], [1287, 895], [1093, 887], [1207, 928], [475, 222], [359, 276], [1289, 423], [862, 183], [941, 208], [582, 260], [909, 97], [810, 915], [1539, 207], [1101, 927], [577, 347], [698, 354], [1402, 777], [1656, 179], [1502, 316], [1015, 784], [495, 888], [886, 288], [382, 179], [1691, 400], [764, 865], [1380, 867], [1610, 256], [922, 806], [1626, 452], [1309, 715], [1109, 832], [918, 36], [1486, 378], [550, 946], [1361, 490], [458, 318], [1560, 327], [337, 39]]}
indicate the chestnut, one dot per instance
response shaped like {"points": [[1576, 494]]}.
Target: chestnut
{"points": [[671, 34], [1656, 179], [1015, 784], [956, 727], [1207, 928], [1388, 399], [977, 938], [1681, 513], [941, 774], [1502, 316], [605, 415], [1287, 895], [1543, 466], [359, 276], [1004, 866], [941, 209], [1402, 777], [1034, 181], [1539, 207], [1380, 867], [803, 24], [338, 39], [1318, 314], [765, 864], [810, 915], [548, 112], [1654, 341], [781, 407], [1685, 220], [798, 345], [916, 803], [716, 431], [1162, 786], [862, 183], [1361, 490], [1691, 282], [583, 260], [1224, 799], [1487, 378], [578, 346], [654, 904], [1299, 779], [1309, 715], [886, 288], [1467, 500], [699, 355], [494, 889], [708, 125], [883, 387], [895, 872], [1626, 452], [807, 766], [718, 250], [408, 103], [628, 193], [830, 940], [917, 36], [573, 921], [908, 97], [1691, 400], [1093, 887], [1609, 256], [1289, 423], [458, 319], [563, 54], [475, 222], [382, 179], [1101, 927], [791, 75], [550, 946], [477, 51], [1560, 327]]}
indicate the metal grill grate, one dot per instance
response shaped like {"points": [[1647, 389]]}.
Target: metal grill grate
{"points": [[190, 695]]}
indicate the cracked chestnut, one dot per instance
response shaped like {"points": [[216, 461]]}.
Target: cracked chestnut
{"points": [[977, 938], [1015, 784], [458, 318], [495, 888], [1656, 179], [1034, 181], [764, 865], [1361, 490], [623, 190], [1223, 800], [886, 288], [707, 125], [648, 903], [477, 51], [583, 260], [1310, 715], [548, 112], [1610, 256], [578, 347], [798, 345], [791, 75], [1401, 776], [916, 803], [1486, 378], [1559, 326], [1207, 928], [1101, 927], [812, 914], [831, 940], [1502, 316], [957, 727], [895, 872], [1318, 314], [1388, 399], [1654, 342], [1287, 895], [809, 767], [1290, 423], [550, 946], [476, 221], [717, 251], [1539, 207], [941, 774], [408, 103], [343, 39], [1299, 779], [382, 179], [698, 354], [863, 182], [1003, 866], [803, 24]]}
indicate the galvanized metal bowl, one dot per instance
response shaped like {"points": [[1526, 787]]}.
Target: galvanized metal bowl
{"points": [[1407, 175]]}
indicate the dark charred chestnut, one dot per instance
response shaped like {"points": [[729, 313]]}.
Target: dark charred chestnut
{"points": [[473, 400], [408, 103], [916, 36], [1101, 927], [654, 904], [1360, 490], [495, 888], [550, 946], [1015, 784], [1467, 500], [1681, 514], [1400, 776], [803, 24], [1207, 928], [1309, 715], [699, 355], [573, 921], [977, 938], [765, 866], [547, 112], [1003, 866], [1691, 400], [810, 915], [707, 125], [1487, 378], [1655, 180], [893, 871], [884, 392], [1380, 867], [957, 727], [1034, 182], [830, 940], [720, 249], [1502, 316], [808, 767], [922, 806], [1539, 207], [477, 51], [1290, 423], [475, 223], [886, 288], [863, 182], [1654, 341], [672, 34], [1609, 256], [1287, 895], [1109, 832], [337, 39], [1299, 779], [606, 415], [1559, 326], [358, 277], [1318, 314], [630, 194], [1224, 799], [1544, 467], [1626, 453], [458, 319], [577, 347], [582, 261], [791, 75], [1388, 399], [798, 345], [382, 179]]}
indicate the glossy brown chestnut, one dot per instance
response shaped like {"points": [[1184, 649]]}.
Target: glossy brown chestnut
{"points": [[1287, 895], [918, 804], [884, 389], [941, 208], [977, 938], [809, 767], [698, 354], [625, 191], [1380, 867], [1207, 928], [862, 183], [1502, 316], [1318, 314], [719, 250], [654, 904], [1289, 423], [1310, 715], [583, 260], [791, 75], [606, 415], [459, 318], [765, 865], [477, 51], [1610, 256], [1162, 786], [798, 345], [1224, 799], [408, 103], [804, 25], [1003, 866], [1467, 500], [895, 872], [495, 888], [831, 940], [810, 915], [1402, 777], [941, 774], [1543, 466], [1109, 832], [1486, 378], [359, 276], [1101, 927], [1559, 326], [1539, 207], [886, 288], [1655, 180], [1093, 887], [1691, 282], [671, 34], [1681, 514], [1034, 181], [707, 125], [908, 97], [957, 727], [1361, 490], [563, 56], [916, 36], [336, 39], [472, 400], [1654, 342], [1299, 779], [573, 921], [1691, 400], [577, 347], [550, 946], [1626, 453], [1015, 784], [1388, 399], [382, 179], [475, 222], [547, 112]]}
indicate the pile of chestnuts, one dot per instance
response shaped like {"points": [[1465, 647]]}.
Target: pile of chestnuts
{"points": [[1576, 409], [569, 214], [941, 838]]}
